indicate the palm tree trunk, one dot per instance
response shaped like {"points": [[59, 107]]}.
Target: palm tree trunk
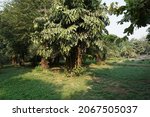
{"points": [[74, 59]]}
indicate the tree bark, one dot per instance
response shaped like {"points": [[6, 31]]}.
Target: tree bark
{"points": [[1, 65], [78, 60], [14, 60], [44, 63], [21, 60], [56, 60], [74, 59], [70, 60], [103, 56], [98, 58]]}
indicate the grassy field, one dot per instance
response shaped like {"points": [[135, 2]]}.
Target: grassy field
{"points": [[99, 82]]}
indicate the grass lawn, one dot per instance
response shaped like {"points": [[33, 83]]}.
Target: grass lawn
{"points": [[99, 82]]}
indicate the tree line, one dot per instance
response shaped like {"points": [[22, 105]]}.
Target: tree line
{"points": [[48, 31]]}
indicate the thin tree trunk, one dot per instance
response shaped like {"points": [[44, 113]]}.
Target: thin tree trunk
{"points": [[98, 58], [74, 59], [70, 61], [14, 60], [78, 60], [104, 57], [44, 63], [56, 60], [21, 60], [1, 65], [35, 60]]}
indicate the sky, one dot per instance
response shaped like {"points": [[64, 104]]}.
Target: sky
{"points": [[115, 28], [1, 2]]}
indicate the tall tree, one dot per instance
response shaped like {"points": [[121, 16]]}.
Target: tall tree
{"points": [[69, 28], [17, 24]]}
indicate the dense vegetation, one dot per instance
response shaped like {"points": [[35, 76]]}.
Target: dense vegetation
{"points": [[67, 36], [46, 32]]}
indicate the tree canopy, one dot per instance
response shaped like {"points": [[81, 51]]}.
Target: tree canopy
{"points": [[67, 30], [17, 23], [137, 12], [70, 27]]}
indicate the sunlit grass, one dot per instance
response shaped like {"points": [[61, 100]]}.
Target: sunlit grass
{"points": [[99, 82]]}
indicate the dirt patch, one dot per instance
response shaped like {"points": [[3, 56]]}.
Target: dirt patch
{"points": [[146, 81], [115, 89], [143, 57], [56, 69], [96, 80]]}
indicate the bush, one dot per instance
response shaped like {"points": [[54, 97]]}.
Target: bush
{"points": [[78, 71], [101, 63], [38, 69]]}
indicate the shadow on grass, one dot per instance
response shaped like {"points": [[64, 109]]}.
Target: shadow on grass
{"points": [[117, 83], [109, 82], [9, 72], [14, 87]]}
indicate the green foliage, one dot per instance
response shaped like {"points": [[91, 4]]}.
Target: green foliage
{"points": [[69, 24], [141, 46], [137, 12], [127, 50], [62, 27], [38, 69], [113, 46], [17, 23], [78, 71], [4, 51]]}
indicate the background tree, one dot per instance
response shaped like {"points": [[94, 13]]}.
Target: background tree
{"points": [[141, 46], [148, 36], [17, 24], [107, 47]]}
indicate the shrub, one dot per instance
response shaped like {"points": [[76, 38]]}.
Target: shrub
{"points": [[78, 71], [38, 69]]}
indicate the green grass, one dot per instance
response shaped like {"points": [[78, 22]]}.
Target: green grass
{"points": [[146, 62], [128, 62], [99, 82]]}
